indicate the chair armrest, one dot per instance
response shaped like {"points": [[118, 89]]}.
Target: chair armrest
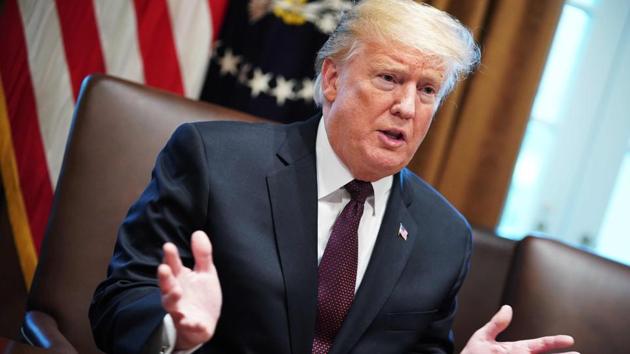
{"points": [[40, 329]]}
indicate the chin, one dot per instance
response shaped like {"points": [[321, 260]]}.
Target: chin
{"points": [[379, 171], [376, 164], [391, 170], [389, 164]]}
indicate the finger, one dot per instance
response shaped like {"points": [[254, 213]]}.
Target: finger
{"points": [[166, 280], [171, 258], [498, 323], [202, 251], [545, 344], [170, 302]]}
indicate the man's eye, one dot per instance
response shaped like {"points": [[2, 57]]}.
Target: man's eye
{"points": [[388, 78], [428, 90]]}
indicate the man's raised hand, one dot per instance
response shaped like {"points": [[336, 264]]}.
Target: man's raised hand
{"points": [[483, 341], [191, 296]]}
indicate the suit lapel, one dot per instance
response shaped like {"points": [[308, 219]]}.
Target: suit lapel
{"points": [[293, 197], [387, 262]]}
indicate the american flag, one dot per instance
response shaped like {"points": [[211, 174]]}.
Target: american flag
{"points": [[48, 47], [402, 232]]}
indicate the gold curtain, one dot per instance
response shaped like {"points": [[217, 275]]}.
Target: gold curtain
{"points": [[470, 151]]}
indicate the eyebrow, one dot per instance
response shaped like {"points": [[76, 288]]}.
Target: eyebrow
{"points": [[387, 64]]}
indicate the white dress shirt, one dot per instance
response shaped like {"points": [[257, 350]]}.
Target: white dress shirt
{"points": [[332, 175]]}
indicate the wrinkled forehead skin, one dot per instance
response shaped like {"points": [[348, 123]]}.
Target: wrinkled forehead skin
{"points": [[363, 45]]}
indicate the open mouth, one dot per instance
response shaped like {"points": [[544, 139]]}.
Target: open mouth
{"points": [[394, 134]]}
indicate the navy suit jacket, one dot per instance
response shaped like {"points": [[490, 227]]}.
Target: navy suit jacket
{"points": [[253, 189]]}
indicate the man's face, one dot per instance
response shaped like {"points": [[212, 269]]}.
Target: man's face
{"points": [[379, 105]]}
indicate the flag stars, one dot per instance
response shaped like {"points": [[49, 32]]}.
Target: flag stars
{"points": [[264, 83], [259, 82], [244, 73], [327, 23], [307, 90], [229, 63], [283, 90]]}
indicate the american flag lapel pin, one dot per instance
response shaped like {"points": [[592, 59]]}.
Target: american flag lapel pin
{"points": [[402, 232]]}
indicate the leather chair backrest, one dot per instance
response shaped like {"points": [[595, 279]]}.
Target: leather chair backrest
{"points": [[558, 289], [482, 293], [118, 129]]}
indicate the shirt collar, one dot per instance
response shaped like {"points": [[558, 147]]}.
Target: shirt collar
{"points": [[332, 173]]}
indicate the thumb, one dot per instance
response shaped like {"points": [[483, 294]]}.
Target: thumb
{"points": [[202, 251], [498, 323]]}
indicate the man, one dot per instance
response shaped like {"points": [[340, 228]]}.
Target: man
{"points": [[321, 240]]}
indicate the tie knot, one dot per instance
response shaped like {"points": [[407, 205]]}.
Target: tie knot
{"points": [[359, 190]]}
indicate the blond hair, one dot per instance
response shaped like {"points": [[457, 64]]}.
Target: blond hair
{"points": [[419, 26]]}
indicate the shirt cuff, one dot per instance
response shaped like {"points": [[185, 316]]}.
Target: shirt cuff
{"points": [[169, 335]]}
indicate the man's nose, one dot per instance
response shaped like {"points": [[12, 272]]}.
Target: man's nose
{"points": [[405, 104]]}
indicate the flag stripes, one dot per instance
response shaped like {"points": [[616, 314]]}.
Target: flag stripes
{"points": [[161, 68], [118, 36], [191, 26], [24, 168], [52, 87], [217, 12], [83, 49], [48, 49]]}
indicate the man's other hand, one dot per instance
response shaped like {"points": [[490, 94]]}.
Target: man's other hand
{"points": [[191, 296], [483, 341]]}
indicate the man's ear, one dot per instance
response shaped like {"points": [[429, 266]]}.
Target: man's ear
{"points": [[329, 79]]}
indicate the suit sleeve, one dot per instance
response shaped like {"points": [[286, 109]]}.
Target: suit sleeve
{"points": [[440, 336], [126, 309]]}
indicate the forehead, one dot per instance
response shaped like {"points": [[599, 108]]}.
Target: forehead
{"points": [[396, 56]]}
